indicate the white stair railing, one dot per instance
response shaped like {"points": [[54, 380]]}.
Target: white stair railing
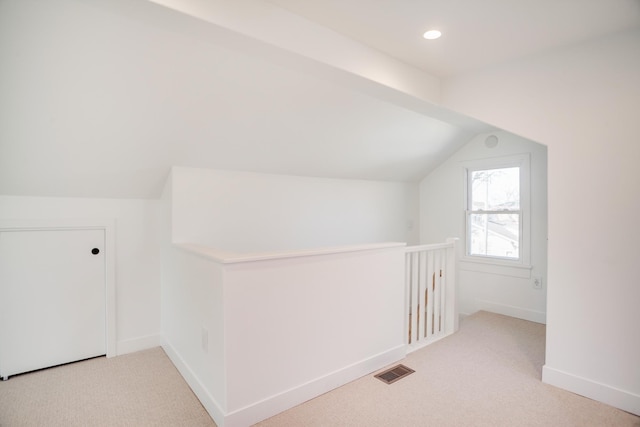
{"points": [[430, 293]]}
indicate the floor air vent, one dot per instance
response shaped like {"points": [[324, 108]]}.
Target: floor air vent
{"points": [[394, 374]]}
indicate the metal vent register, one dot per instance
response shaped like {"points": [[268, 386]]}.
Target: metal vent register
{"points": [[394, 374]]}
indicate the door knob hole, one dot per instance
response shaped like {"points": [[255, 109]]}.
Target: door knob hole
{"points": [[95, 251]]}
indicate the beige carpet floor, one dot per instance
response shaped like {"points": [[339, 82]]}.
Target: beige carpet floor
{"points": [[138, 389], [487, 374]]}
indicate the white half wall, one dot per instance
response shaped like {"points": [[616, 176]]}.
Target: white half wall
{"points": [[254, 212], [255, 336], [582, 103], [137, 262], [308, 318], [442, 204]]}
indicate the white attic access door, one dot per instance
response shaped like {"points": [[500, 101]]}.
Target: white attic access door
{"points": [[56, 292]]}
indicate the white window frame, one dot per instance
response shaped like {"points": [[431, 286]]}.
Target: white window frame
{"points": [[488, 263]]}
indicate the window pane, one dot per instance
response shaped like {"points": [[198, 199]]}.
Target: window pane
{"points": [[495, 189], [495, 235]]}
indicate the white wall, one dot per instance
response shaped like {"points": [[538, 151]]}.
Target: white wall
{"points": [[271, 344], [137, 256], [252, 212], [299, 327], [275, 309], [192, 305], [582, 103], [502, 290], [193, 310]]}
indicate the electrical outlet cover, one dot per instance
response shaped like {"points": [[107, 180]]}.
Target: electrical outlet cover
{"points": [[536, 282]]}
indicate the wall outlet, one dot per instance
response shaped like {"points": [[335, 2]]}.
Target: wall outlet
{"points": [[536, 282], [205, 340]]}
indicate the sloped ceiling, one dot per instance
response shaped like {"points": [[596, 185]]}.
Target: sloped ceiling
{"points": [[100, 99]]}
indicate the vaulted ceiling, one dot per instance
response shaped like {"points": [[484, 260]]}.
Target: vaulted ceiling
{"points": [[100, 98]]}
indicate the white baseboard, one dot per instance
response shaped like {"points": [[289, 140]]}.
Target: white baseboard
{"points": [[615, 397], [207, 400], [137, 344], [287, 399], [509, 310], [277, 403]]}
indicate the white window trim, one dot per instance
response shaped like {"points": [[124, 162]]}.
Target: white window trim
{"points": [[522, 266]]}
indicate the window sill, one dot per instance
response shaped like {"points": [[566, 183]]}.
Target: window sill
{"points": [[502, 268]]}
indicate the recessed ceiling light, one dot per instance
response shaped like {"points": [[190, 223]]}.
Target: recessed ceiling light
{"points": [[432, 34]]}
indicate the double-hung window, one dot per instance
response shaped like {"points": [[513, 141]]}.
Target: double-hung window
{"points": [[497, 211]]}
